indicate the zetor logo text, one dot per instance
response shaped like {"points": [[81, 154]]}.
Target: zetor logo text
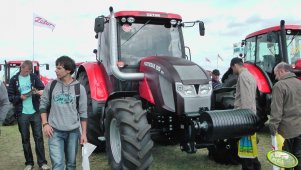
{"points": [[43, 21], [152, 15]]}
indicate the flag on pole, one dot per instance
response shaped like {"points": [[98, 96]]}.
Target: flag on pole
{"points": [[207, 59], [218, 56], [42, 22]]}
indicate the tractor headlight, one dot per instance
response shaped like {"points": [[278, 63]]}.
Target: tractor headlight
{"points": [[205, 89], [186, 90]]}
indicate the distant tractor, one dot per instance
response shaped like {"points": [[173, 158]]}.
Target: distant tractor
{"points": [[143, 88], [263, 50], [13, 67]]}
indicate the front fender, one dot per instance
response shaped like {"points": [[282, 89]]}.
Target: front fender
{"points": [[96, 75], [264, 83]]}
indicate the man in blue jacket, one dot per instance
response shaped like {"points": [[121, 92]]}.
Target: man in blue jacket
{"points": [[24, 91]]}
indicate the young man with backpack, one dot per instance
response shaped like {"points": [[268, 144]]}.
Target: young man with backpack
{"points": [[66, 101]]}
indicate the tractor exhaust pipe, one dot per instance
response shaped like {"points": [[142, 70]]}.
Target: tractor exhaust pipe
{"points": [[283, 41], [114, 53]]}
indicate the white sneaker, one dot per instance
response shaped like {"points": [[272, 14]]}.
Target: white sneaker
{"points": [[45, 167], [28, 167]]}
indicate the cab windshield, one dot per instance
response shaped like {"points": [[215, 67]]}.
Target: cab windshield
{"points": [[138, 40], [293, 47], [13, 70]]}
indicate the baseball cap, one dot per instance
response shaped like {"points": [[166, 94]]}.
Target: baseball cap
{"points": [[216, 72]]}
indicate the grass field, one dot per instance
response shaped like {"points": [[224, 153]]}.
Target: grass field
{"points": [[165, 157]]}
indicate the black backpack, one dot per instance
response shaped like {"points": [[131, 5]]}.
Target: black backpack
{"points": [[77, 94]]}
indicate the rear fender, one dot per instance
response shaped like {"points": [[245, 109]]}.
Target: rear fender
{"points": [[264, 83], [96, 76]]}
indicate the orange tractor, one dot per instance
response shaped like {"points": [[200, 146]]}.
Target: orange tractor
{"points": [[144, 88]]}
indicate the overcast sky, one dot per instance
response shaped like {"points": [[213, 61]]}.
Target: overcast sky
{"points": [[226, 22]]}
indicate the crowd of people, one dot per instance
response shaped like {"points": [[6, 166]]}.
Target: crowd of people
{"points": [[60, 111]]}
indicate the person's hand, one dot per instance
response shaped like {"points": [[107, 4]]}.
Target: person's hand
{"points": [[36, 91], [39, 92], [23, 97], [83, 139], [48, 131]]}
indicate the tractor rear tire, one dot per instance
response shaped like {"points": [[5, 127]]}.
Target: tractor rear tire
{"points": [[127, 134], [93, 122]]}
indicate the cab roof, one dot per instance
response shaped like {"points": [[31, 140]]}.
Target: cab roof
{"points": [[150, 14], [275, 28], [19, 62]]}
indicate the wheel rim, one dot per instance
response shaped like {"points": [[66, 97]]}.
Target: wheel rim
{"points": [[115, 141]]}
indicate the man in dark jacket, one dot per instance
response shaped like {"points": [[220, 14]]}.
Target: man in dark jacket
{"points": [[24, 91], [286, 110]]}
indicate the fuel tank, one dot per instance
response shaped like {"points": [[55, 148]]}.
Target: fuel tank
{"points": [[176, 84]]}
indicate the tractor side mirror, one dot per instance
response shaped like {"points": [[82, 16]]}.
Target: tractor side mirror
{"points": [[202, 28], [243, 42], [47, 66], [99, 24]]}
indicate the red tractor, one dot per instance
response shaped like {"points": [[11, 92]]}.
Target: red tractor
{"points": [[13, 67], [263, 50], [143, 88]]}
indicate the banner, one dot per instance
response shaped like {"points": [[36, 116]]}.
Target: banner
{"points": [[42, 22]]}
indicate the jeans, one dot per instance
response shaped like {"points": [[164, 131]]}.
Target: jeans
{"points": [[24, 122], [293, 146], [63, 145]]}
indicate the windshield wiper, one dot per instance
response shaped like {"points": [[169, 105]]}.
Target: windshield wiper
{"points": [[136, 32], [292, 39]]}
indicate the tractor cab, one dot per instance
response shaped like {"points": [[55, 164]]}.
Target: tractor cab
{"points": [[140, 34], [268, 47]]}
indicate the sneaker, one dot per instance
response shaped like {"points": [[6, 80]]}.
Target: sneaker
{"points": [[45, 167], [28, 167]]}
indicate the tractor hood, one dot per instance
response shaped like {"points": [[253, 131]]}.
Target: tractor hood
{"points": [[174, 69], [176, 84]]}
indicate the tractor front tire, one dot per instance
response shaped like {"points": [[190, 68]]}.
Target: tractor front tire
{"points": [[127, 135]]}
